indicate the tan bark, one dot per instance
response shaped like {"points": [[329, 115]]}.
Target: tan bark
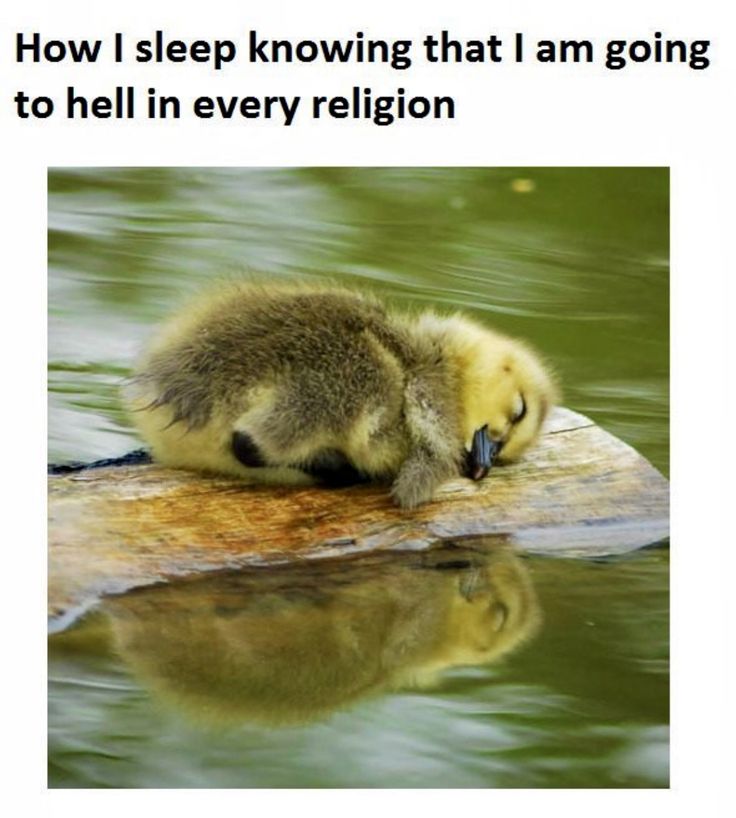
{"points": [[579, 492]]}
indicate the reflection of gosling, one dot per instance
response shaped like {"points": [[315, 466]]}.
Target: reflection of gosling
{"points": [[293, 644], [302, 384]]}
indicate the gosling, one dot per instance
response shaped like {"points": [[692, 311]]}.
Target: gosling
{"points": [[299, 384]]}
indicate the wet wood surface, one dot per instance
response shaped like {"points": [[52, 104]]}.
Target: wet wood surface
{"points": [[579, 492]]}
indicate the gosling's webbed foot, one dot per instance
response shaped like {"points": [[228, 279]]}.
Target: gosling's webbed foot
{"points": [[247, 452], [333, 470]]}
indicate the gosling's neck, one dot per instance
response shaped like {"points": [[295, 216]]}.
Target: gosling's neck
{"points": [[470, 353]]}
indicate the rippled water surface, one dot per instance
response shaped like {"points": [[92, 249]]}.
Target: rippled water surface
{"points": [[575, 260]]}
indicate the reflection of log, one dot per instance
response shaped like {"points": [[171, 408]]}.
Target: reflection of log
{"points": [[580, 492]]}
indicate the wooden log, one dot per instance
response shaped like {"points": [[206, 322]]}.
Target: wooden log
{"points": [[579, 492]]}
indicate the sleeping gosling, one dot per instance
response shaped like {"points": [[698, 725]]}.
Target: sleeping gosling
{"points": [[299, 384]]}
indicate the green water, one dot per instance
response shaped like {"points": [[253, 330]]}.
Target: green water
{"points": [[575, 260]]}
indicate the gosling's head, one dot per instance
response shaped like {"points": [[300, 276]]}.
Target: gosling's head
{"points": [[505, 394]]}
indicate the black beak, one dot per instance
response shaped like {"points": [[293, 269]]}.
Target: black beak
{"points": [[482, 454]]}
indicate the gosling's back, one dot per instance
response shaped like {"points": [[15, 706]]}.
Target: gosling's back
{"points": [[300, 369]]}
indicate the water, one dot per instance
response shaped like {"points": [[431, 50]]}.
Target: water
{"points": [[575, 260]]}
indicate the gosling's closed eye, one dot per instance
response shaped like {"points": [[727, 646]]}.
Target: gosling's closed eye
{"points": [[521, 411]]}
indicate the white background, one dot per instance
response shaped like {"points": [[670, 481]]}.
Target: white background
{"points": [[507, 114]]}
